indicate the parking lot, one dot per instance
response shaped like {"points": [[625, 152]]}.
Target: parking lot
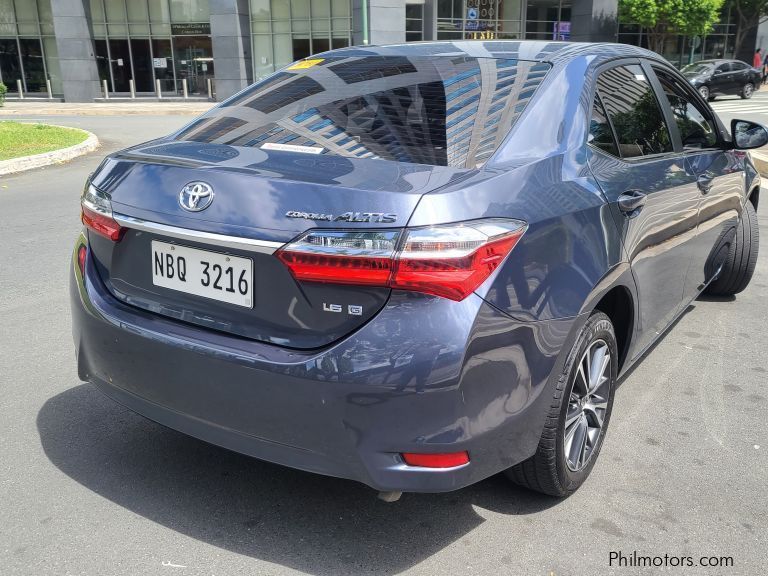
{"points": [[89, 488]]}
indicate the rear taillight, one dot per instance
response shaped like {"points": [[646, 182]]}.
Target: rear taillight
{"points": [[342, 257], [96, 213], [449, 261]]}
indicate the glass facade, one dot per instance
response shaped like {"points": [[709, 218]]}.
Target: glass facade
{"points": [[284, 31], [150, 40], [28, 47], [479, 19], [548, 20], [170, 40]]}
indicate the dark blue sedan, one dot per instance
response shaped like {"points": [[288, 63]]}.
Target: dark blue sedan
{"points": [[413, 266]]}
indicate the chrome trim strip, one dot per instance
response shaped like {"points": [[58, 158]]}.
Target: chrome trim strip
{"points": [[237, 242]]}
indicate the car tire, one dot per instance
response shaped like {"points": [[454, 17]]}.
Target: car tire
{"points": [[704, 91], [559, 467], [747, 90], [740, 263]]}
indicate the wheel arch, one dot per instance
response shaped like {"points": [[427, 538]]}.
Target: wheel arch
{"points": [[618, 305], [616, 296], [754, 197]]}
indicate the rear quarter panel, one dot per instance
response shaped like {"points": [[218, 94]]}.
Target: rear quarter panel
{"points": [[571, 244]]}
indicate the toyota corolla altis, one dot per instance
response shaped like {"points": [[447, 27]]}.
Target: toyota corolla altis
{"points": [[413, 266]]}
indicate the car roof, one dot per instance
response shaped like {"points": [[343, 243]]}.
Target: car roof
{"points": [[532, 50], [717, 61]]}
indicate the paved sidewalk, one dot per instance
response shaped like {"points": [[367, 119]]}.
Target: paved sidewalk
{"points": [[121, 108], [761, 161]]}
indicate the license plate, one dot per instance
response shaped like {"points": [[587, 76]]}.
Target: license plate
{"points": [[202, 273]]}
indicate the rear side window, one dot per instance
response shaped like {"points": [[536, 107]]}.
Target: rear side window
{"points": [[738, 66], [446, 111], [696, 130], [600, 133], [635, 113]]}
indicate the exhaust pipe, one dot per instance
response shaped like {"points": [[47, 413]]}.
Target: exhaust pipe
{"points": [[390, 496]]}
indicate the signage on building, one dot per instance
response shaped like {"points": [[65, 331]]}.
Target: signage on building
{"points": [[160, 62], [561, 30], [191, 29]]}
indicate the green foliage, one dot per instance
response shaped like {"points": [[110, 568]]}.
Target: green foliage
{"points": [[21, 139], [663, 18], [3, 91]]}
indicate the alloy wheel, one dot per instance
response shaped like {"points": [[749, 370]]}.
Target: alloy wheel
{"points": [[748, 89], [704, 91], [587, 405]]}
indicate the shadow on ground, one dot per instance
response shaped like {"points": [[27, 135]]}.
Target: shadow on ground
{"points": [[311, 523]]}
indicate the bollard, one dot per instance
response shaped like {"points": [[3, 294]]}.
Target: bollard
{"points": [[133, 88], [184, 90], [210, 89], [50, 91], [18, 87], [158, 90], [106, 89]]}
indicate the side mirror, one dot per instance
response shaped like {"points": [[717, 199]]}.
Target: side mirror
{"points": [[748, 135]]}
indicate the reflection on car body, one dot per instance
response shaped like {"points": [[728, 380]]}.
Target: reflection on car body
{"points": [[441, 257]]}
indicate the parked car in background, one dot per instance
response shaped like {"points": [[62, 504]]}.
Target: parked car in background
{"points": [[714, 78], [414, 266]]}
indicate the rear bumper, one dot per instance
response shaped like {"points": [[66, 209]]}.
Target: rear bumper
{"points": [[425, 375]]}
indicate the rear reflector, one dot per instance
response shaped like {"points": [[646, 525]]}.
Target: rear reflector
{"points": [[82, 252], [447, 460], [96, 214], [449, 261]]}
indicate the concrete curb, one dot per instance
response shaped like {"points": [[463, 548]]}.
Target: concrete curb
{"points": [[105, 108], [47, 158]]}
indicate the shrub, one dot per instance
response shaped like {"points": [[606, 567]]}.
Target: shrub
{"points": [[3, 90]]}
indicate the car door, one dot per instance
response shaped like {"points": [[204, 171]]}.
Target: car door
{"points": [[651, 191], [719, 174], [722, 82]]}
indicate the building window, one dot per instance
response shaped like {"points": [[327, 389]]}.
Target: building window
{"points": [[414, 22], [151, 40], [548, 20], [284, 31], [479, 19], [27, 46]]}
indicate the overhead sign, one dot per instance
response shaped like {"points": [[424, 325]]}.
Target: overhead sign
{"points": [[191, 29]]}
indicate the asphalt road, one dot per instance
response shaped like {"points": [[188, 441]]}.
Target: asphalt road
{"points": [[756, 108], [89, 488]]}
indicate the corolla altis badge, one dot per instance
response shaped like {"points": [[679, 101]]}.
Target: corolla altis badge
{"points": [[196, 196], [346, 217]]}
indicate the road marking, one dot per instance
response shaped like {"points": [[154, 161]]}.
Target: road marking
{"points": [[763, 110]]}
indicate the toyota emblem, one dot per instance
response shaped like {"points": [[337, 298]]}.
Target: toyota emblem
{"points": [[196, 196]]}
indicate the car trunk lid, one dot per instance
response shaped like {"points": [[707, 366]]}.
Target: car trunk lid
{"points": [[262, 199]]}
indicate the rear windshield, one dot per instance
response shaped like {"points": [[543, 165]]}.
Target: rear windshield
{"points": [[445, 111]]}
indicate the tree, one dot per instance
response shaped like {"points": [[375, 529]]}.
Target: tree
{"points": [[749, 15], [662, 19]]}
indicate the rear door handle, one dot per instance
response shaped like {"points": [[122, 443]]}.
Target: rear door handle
{"points": [[704, 182], [631, 201]]}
